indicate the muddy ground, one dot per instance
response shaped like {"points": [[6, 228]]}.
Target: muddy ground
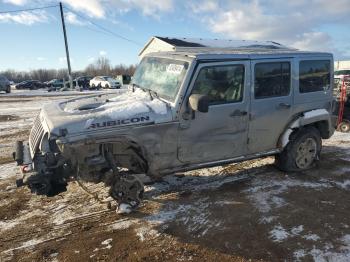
{"points": [[242, 212]]}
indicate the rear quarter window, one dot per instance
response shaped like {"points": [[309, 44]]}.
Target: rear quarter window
{"points": [[314, 75]]}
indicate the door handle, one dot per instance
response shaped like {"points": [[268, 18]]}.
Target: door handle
{"points": [[238, 113], [283, 106]]}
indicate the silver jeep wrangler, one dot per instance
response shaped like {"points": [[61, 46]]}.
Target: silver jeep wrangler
{"points": [[185, 110]]}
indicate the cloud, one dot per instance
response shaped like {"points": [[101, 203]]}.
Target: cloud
{"points": [[309, 41], [104, 8], [72, 19], [24, 18], [62, 59], [91, 59], [295, 23], [16, 2], [203, 6], [151, 8], [101, 9], [92, 8], [39, 58], [103, 53]]}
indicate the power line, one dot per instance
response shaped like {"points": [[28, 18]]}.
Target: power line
{"points": [[28, 9], [104, 29]]}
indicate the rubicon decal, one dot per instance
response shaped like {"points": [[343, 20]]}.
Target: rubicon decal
{"points": [[126, 121]]}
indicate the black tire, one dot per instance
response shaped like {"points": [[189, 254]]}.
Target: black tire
{"points": [[8, 90], [107, 86], [301, 152]]}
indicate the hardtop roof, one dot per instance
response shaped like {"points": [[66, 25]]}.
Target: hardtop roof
{"points": [[234, 54]]}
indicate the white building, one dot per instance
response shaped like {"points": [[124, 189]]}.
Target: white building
{"points": [[341, 65]]}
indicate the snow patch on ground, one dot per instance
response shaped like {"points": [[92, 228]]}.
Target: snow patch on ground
{"points": [[107, 243], [278, 234], [22, 217], [298, 254], [312, 237], [146, 233], [264, 193], [327, 253], [8, 171], [122, 224]]}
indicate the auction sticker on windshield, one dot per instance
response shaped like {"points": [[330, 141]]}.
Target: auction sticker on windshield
{"points": [[174, 69]]}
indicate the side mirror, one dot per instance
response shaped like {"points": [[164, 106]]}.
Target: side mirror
{"points": [[199, 103]]}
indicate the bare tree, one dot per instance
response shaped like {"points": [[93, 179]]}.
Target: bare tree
{"points": [[102, 66]]}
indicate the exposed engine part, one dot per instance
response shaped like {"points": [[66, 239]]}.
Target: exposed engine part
{"points": [[42, 184], [18, 154]]}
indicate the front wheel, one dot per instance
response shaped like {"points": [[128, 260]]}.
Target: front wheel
{"points": [[301, 152]]}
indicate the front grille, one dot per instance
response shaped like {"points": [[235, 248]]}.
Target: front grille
{"points": [[35, 136]]}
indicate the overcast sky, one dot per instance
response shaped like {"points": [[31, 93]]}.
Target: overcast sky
{"points": [[34, 39]]}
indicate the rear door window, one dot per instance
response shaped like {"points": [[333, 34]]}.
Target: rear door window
{"points": [[314, 75], [272, 79]]}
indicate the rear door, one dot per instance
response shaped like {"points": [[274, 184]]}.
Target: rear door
{"points": [[271, 103], [221, 133]]}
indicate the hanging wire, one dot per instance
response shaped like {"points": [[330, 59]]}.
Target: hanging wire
{"points": [[28, 9], [103, 28]]}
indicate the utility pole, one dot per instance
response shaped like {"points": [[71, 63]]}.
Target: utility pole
{"points": [[66, 44]]}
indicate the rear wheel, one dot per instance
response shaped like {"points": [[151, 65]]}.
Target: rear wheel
{"points": [[8, 90], [107, 86], [301, 152], [344, 126]]}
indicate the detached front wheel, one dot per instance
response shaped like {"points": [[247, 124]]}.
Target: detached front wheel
{"points": [[127, 189], [301, 152]]}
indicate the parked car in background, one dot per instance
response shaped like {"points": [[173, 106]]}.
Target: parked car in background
{"points": [[30, 84], [123, 79], [104, 82], [82, 81], [5, 84], [55, 84]]}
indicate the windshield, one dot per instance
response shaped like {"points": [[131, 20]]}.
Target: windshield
{"points": [[342, 72], [161, 75]]}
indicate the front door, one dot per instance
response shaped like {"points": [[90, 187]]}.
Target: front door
{"points": [[221, 133], [271, 103]]}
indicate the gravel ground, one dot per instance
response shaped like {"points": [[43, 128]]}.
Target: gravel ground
{"points": [[241, 212]]}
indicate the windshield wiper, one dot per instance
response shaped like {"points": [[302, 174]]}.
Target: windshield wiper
{"points": [[151, 92], [154, 93]]}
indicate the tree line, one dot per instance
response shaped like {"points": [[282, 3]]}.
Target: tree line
{"points": [[101, 66]]}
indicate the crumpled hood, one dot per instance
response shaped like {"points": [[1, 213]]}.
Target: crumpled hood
{"points": [[116, 110]]}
